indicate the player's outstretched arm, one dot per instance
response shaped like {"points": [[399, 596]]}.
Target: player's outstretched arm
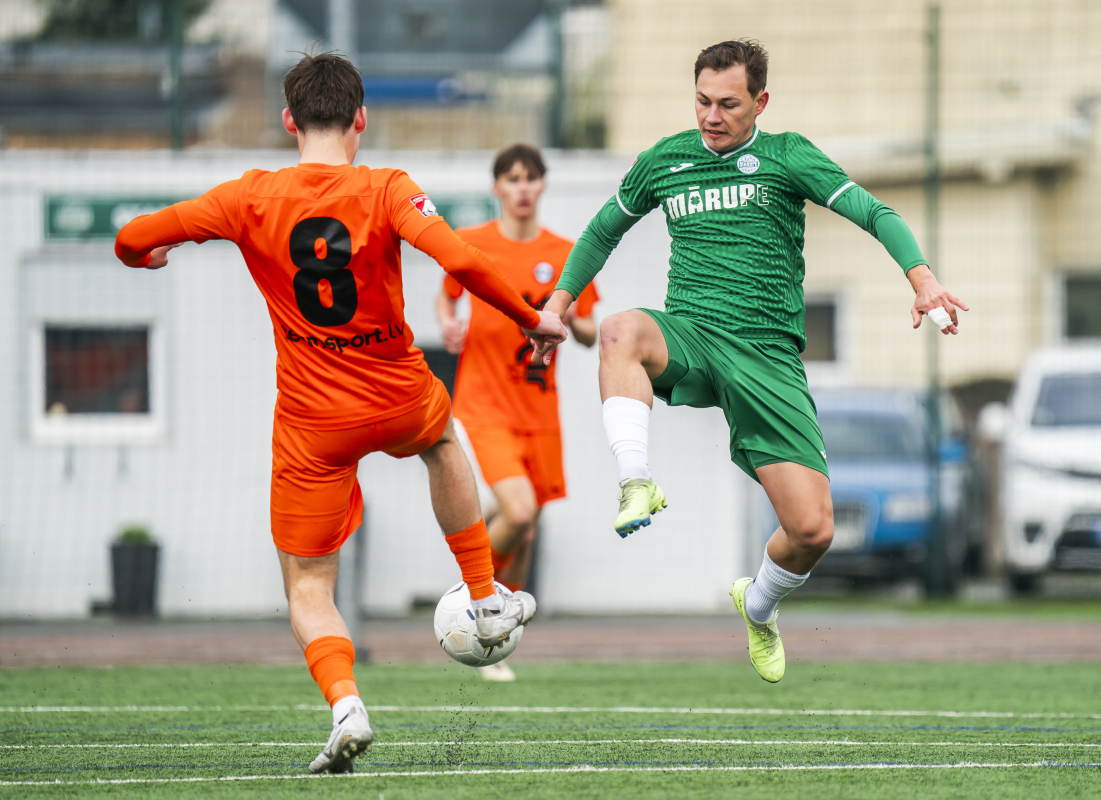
{"points": [[470, 267], [860, 207], [144, 242], [586, 259], [591, 252]]}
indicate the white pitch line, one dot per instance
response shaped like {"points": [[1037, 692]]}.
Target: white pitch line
{"points": [[843, 742], [835, 712], [583, 769]]}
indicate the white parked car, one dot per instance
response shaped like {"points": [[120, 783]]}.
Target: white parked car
{"points": [[1051, 474]]}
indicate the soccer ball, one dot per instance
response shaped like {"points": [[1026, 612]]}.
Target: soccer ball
{"points": [[458, 635]]}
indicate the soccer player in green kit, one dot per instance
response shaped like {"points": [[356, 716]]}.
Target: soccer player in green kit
{"points": [[733, 325]]}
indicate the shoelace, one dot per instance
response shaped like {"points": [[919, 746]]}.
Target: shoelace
{"points": [[628, 493], [771, 637]]}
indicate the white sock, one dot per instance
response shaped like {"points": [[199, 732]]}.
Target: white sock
{"points": [[627, 423], [770, 586], [344, 706], [493, 602]]}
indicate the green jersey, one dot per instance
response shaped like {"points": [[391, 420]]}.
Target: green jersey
{"points": [[737, 225]]}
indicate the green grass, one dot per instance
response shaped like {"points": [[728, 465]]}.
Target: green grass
{"points": [[714, 755], [1087, 609]]}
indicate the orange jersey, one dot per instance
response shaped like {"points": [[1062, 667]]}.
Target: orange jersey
{"points": [[323, 243], [496, 384]]}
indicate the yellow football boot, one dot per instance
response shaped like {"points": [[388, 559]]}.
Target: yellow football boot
{"points": [[766, 651], [638, 499]]}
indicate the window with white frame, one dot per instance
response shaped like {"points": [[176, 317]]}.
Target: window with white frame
{"points": [[97, 370], [95, 383]]}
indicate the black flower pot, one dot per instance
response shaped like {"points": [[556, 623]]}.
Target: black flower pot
{"points": [[134, 569]]}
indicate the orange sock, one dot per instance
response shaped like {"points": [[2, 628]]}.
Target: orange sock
{"points": [[330, 659], [500, 560], [473, 554]]}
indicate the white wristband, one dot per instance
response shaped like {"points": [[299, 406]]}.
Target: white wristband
{"points": [[940, 317]]}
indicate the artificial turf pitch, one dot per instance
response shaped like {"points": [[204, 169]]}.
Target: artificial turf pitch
{"points": [[563, 730]]}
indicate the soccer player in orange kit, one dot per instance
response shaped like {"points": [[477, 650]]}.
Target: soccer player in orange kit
{"points": [[322, 241], [507, 405]]}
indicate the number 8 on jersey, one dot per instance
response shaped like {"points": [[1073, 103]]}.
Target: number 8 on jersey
{"points": [[321, 248]]}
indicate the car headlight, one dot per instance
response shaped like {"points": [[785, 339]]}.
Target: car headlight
{"points": [[906, 507]]}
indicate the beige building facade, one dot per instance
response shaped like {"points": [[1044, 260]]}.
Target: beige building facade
{"points": [[1020, 240]]}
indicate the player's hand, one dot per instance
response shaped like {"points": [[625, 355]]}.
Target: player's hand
{"points": [[929, 294], [454, 334], [547, 335], [158, 256]]}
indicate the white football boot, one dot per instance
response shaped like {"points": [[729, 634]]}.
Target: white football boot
{"points": [[497, 673], [351, 737], [494, 627]]}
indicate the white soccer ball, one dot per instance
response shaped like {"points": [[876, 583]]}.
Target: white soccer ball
{"points": [[458, 635]]}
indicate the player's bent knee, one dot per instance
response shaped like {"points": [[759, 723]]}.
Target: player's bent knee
{"points": [[821, 543], [519, 517], [813, 534], [618, 333], [818, 539]]}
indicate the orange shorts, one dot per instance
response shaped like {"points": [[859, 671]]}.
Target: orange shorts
{"points": [[535, 455], [315, 497]]}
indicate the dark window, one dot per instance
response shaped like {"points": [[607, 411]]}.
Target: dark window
{"points": [[97, 370], [821, 331], [1073, 399], [1083, 307]]}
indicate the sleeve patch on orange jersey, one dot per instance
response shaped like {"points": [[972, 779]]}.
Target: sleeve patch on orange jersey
{"points": [[423, 205]]}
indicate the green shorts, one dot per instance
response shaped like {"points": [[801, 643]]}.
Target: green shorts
{"points": [[759, 384]]}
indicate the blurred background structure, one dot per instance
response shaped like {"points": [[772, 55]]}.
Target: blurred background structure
{"points": [[146, 398]]}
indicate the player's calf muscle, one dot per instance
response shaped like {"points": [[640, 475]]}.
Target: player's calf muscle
{"points": [[451, 486], [309, 584]]}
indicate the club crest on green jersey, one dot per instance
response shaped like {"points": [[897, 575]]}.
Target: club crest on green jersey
{"points": [[748, 164]]}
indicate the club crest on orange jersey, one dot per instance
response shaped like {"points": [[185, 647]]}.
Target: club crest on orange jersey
{"points": [[544, 272], [423, 205]]}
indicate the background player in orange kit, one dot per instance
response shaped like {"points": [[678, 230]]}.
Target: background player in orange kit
{"points": [[507, 405], [322, 241]]}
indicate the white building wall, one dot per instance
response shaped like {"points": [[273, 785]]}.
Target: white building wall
{"points": [[203, 487]]}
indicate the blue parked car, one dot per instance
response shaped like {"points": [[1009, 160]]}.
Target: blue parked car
{"points": [[878, 445]]}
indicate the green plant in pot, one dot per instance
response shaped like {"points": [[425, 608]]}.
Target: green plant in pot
{"points": [[134, 571]]}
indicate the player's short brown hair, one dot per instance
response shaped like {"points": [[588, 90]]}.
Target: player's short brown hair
{"points": [[527, 156], [323, 92], [747, 52]]}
